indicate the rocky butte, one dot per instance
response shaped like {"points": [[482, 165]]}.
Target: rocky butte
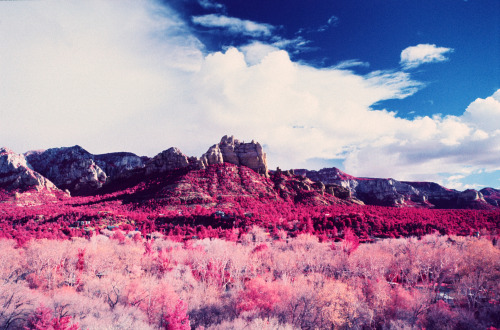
{"points": [[231, 150]]}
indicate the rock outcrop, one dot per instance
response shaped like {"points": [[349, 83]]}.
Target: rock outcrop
{"points": [[116, 163], [71, 168], [436, 194], [385, 192], [15, 174], [470, 197], [81, 173], [491, 196], [167, 160], [231, 150], [390, 192]]}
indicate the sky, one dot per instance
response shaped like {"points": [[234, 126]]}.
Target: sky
{"points": [[386, 88]]}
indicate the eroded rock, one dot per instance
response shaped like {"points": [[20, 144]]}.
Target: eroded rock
{"points": [[231, 150], [71, 168], [16, 174]]}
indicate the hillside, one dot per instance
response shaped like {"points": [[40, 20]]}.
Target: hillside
{"points": [[221, 194]]}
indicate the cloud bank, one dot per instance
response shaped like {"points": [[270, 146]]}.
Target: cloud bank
{"points": [[133, 77], [415, 56]]}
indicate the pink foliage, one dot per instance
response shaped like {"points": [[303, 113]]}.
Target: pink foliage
{"points": [[177, 318], [42, 319], [350, 242], [261, 296], [80, 264]]}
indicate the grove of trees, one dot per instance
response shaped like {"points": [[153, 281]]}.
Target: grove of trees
{"points": [[120, 280]]}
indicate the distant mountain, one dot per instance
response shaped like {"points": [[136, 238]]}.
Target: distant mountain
{"points": [[390, 192], [230, 170]]}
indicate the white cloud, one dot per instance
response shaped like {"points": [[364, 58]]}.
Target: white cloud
{"points": [[295, 45], [351, 63], [414, 56], [208, 4], [234, 25], [485, 113], [256, 51], [133, 78], [434, 148], [75, 72]]}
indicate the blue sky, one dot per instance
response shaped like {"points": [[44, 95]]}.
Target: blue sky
{"points": [[375, 33], [402, 89]]}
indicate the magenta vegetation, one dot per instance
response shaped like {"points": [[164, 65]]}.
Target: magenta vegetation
{"points": [[118, 241], [122, 281]]}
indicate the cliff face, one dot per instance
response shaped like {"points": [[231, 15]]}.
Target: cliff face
{"points": [[80, 172], [166, 160], [491, 196], [442, 197], [114, 164], [231, 150], [390, 192], [15, 174], [71, 168]]}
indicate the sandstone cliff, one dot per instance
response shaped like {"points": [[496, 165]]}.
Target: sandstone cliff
{"points": [[71, 168], [116, 163], [491, 196], [15, 174], [390, 192], [231, 150], [166, 160]]}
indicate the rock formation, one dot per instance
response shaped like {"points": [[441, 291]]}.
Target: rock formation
{"points": [[390, 192], [470, 196], [71, 168], [80, 172], [386, 192], [116, 163], [231, 150], [167, 160], [491, 196], [15, 174]]}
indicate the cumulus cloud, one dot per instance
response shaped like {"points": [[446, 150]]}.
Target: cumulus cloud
{"points": [[77, 72], [414, 56], [256, 51], [234, 25], [444, 149], [485, 113], [134, 78]]}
